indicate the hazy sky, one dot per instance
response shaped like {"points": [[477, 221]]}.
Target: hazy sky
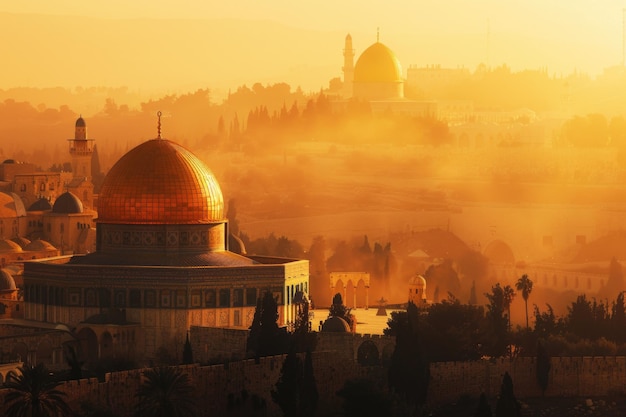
{"points": [[568, 19], [561, 35]]}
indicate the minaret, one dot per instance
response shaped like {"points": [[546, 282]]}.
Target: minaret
{"points": [[81, 149], [348, 67]]}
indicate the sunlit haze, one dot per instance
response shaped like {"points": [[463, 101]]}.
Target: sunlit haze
{"points": [[167, 46]]}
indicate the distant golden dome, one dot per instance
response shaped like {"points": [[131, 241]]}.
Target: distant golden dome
{"points": [[160, 182], [377, 64]]}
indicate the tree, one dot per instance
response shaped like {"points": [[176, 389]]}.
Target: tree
{"points": [[265, 337], [483, 410], [187, 352], [618, 319], [507, 405], [338, 309], [409, 370], [508, 296], [309, 394], [286, 392], [525, 285], [303, 339], [165, 392], [472, 299], [543, 367], [33, 393], [498, 321], [76, 365]]}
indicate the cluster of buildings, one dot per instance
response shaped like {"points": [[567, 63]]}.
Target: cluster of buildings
{"points": [[126, 273]]}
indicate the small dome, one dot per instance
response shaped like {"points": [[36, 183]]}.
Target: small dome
{"points": [[9, 161], [160, 182], [336, 324], [7, 283], [9, 246], [377, 64], [22, 241], [80, 122], [43, 204], [39, 245], [11, 205], [417, 281], [67, 203]]}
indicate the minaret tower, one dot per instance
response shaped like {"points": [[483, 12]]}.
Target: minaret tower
{"points": [[81, 150], [348, 67]]}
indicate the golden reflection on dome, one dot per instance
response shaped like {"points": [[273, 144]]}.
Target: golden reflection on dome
{"points": [[378, 64], [160, 182]]}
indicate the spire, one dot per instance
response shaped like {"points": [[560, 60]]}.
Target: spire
{"points": [[159, 124]]}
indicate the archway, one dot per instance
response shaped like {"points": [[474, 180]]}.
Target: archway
{"points": [[367, 354]]}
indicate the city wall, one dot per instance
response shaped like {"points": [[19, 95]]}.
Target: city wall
{"points": [[215, 384]]}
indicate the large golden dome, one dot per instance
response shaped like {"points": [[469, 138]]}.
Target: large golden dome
{"points": [[377, 64], [160, 182]]}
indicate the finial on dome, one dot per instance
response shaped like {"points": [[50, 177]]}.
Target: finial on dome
{"points": [[377, 35], [159, 125]]}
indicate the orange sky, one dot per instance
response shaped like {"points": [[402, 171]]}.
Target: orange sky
{"points": [[562, 35]]}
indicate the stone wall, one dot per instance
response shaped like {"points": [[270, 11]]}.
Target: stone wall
{"points": [[214, 384], [569, 376]]}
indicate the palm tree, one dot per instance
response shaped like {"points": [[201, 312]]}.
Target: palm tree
{"points": [[165, 392], [525, 285], [33, 393], [508, 294]]}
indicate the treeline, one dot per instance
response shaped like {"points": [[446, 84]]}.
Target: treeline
{"points": [[594, 130], [255, 119], [457, 331]]}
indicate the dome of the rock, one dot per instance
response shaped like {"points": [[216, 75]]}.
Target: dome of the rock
{"points": [[160, 182]]}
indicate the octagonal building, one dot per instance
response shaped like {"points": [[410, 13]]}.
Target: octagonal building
{"points": [[161, 263]]}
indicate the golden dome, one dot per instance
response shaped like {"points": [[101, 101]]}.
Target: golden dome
{"points": [[160, 182], [377, 64]]}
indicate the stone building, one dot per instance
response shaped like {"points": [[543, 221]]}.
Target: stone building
{"points": [[162, 263]]}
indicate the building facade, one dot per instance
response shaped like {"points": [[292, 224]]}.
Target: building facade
{"points": [[161, 263]]}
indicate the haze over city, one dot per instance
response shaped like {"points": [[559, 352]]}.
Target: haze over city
{"points": [[205, 183]]}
